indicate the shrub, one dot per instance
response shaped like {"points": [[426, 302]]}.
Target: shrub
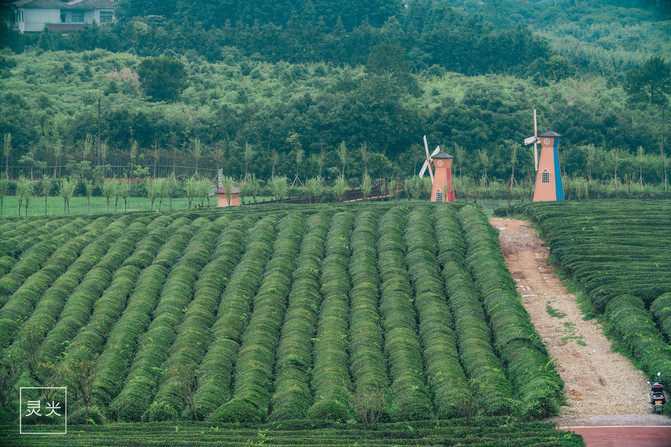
{"points": [[409, 394], [292, 397], [254, 365], [154, 346], [216, 369], [96, 417], [330, 378]]}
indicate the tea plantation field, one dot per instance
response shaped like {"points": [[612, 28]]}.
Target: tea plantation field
{"points": [[619, 253], [334, 314]]}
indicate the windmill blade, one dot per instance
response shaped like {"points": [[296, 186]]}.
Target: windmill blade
{"points": [[426, 148], [424, 166], [435, 151]]}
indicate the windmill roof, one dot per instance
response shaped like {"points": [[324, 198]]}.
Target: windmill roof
{"points": [[234, 190], [442, 155], [549, 133]]}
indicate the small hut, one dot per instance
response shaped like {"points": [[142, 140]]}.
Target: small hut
{"points": [[230, 199]]}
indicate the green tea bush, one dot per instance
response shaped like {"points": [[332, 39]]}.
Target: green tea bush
{"points": [[35, 258], [254, 365], [446, 377], [661, 310], [112, 365], [216, 369], [409, 393], [292, 397], [330, 377], [367, 362], [95, 416], [618, 254], [91, 338], [135, 398], [477, 355], [49, 307], [634, 325], [190, 342], [22, 302], [80, 302], [529, 366]]}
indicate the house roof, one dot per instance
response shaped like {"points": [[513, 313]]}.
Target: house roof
{"points": [[549, 133], [57, 4], [442, 155], [234, 190]]}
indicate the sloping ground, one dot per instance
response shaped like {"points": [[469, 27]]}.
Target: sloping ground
{"points": [[601, 387]]}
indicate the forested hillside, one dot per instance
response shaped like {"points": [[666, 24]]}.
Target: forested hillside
{"points": [[279, 87]]}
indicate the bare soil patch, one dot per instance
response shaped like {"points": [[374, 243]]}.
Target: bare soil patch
{"points": [[601, 386]]}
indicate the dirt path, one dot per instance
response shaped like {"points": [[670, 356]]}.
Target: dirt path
{"points": [[601, 386]]}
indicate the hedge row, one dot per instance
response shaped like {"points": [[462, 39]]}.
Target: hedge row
{"points": [[91, 338], [78, 306], [634, 325], [33, 259], [216, 369], [445, 374], [6, 264], [366, 348], [489, 432], [254, 365], [49, 307], [154, 345], [409, 394], [22, 302], [292, 397], [529, 366], [330, 374], [111, 367], [494, 391], [618, 252], [23, 236], [661, 310], [611, 248], [193, 334]]}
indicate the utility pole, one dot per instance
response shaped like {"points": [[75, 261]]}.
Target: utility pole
{"points": [[99, 155]]}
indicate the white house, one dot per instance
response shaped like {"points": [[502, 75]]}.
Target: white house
{"points": [[32, 16]]}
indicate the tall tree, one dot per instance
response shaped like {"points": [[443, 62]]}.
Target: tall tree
{"points": [[24, 190], [46, 189], [650, 85], [67, 189], [7, 150]]}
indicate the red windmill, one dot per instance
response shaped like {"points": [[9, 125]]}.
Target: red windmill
{"points": [[442, 188]]}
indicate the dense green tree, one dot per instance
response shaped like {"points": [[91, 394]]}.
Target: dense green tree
{"points": [[162, 78], [650, 84]]}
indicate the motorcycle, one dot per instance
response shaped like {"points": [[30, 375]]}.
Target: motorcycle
{"points": [[658, 396]]}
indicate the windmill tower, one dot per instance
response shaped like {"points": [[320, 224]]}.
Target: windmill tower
{"points": [[442, 189], [548, 176]]}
